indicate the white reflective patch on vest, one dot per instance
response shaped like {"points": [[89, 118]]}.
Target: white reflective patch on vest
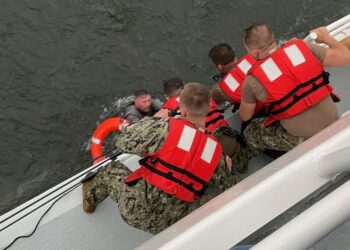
{"points": [[271, 70], [294, 54], [231, 82], [244, 66], [209, 150], [178, 99], [186, 138]]}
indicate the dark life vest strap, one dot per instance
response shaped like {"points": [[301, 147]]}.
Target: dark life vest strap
{"points": [[296, 98], [177, 112], [220, 117], [215, 111], [174, 112], [170, 177], [174, 168]]}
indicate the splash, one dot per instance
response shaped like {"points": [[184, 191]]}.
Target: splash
{"points": [[116, 108]]}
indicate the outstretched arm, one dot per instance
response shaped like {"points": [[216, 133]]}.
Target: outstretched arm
{"points": [[249, 97], [337, 54], [246, 110], [162, 113]]}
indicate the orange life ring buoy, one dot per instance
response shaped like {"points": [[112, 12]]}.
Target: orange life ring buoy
{"points": [[104, 129]]}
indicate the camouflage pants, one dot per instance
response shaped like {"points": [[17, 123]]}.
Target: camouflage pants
{"points": [[273, 137], [141, 205]]}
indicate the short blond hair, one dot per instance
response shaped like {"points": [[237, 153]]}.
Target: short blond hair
{"points": [[258, 36], [195, 98]]}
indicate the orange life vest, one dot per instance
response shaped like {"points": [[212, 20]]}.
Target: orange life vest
{"points": [[294, 79], [172, 103], [214, 117], [184, 164], [231, 83]]}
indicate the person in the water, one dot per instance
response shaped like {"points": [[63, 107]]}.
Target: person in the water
{"points": [[143, 105]]}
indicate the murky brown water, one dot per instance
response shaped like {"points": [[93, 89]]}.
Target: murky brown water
{"points": [[63, 62]]}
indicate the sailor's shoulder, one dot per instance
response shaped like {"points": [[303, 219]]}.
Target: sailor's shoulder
{"points": [[152, 124]]}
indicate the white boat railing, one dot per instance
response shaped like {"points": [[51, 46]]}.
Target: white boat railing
{"points": [[341, 22], [339, 29]]}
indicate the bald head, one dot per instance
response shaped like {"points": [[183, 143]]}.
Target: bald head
{"points": [[258, 36], [195, 100]]}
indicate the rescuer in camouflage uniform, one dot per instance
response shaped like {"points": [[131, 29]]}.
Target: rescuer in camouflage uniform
{"points": [[142, 205]]}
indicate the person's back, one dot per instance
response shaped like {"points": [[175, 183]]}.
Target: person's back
{"points": [[296, 93], [317, 117], [290, 81], [143, 105]]}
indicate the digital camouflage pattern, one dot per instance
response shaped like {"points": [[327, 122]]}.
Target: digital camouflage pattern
{"points": [[273, 137], [142, 205], [146, 136]]}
